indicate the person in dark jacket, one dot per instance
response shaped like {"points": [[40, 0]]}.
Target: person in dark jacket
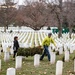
{"points": [[15, 46]]}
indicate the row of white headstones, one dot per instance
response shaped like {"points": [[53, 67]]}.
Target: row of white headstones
{"points": [[12, 71], [24, 37], [62, 42], [59, 64]]}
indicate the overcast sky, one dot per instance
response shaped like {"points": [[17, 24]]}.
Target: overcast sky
{"points": [[20, 2]]}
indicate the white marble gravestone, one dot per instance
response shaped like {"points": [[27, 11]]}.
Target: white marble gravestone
{"points": [[36, 60], [6, 56], [53, 57], [11, 71], [61, 50], [59, 67], [18, 63], [0, 65], [67, 55], [71, 49], [11, 50], [74, 65], [0, 51]]}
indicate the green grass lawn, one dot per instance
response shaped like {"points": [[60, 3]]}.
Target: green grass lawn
{"points": [[45, 67]]}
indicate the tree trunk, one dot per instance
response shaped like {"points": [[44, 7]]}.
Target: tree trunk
{"points": [[70, 31], [60, 31], [60, 20], [5, 29]]}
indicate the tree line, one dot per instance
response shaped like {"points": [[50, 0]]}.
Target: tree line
{"points": [[40, 13]]}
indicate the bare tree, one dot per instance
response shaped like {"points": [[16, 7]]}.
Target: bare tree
{"points": [[64, 9], [7, 14], [46, 13], [32, 15], [70, 15], [37, 15], [58, 10]]}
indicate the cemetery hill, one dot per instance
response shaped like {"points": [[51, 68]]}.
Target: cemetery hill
{"points": [[30, 29]]}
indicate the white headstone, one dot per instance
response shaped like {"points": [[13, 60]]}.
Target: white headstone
{"points": [[65, 47], [11, 50], [4, 46], [0, 51], [36, 60], [74, 65], [0, 65], [53, 57], [61, 50], [18, 62], [11, 71], [6, 56], [66, 55], [59, 67], [71, 49]]}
